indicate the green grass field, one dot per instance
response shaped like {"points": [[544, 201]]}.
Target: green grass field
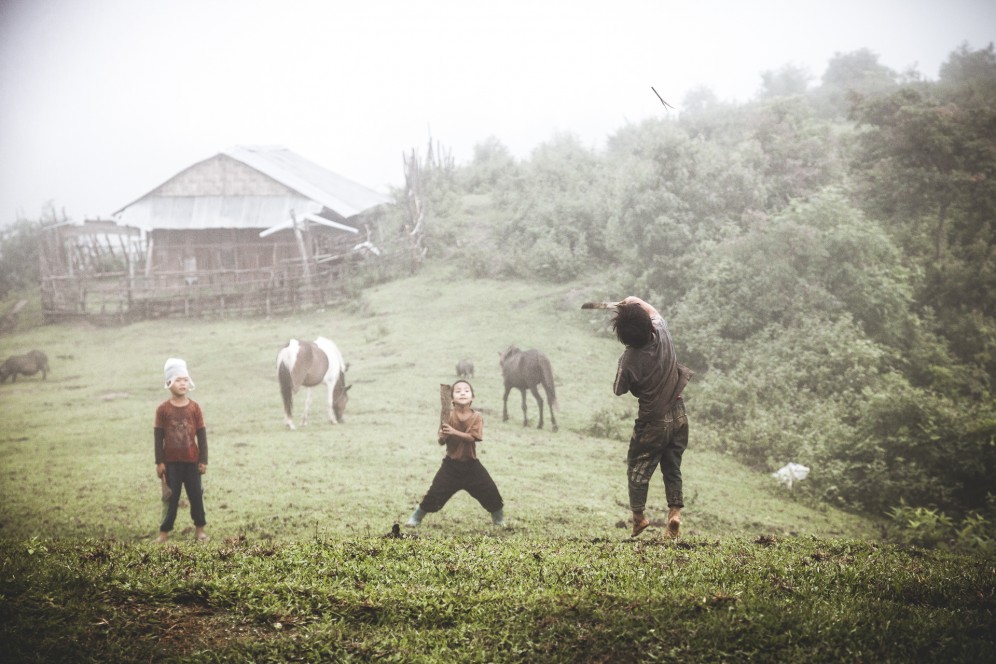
{"points": [[297, 567], [76, 449]]}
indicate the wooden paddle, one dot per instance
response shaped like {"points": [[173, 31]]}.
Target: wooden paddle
{"points": [[445, 404]]}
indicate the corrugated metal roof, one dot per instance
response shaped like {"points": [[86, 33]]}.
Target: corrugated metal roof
{"points": [[203, 212], [345, 197], [317, 187]]}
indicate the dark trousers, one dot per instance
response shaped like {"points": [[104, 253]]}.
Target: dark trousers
{"points": [[657, 443], [470, 476], [184, 474]]}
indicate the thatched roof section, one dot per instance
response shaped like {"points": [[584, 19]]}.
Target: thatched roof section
{"points": [[249, 187]]}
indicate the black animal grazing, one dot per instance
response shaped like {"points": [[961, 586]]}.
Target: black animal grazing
{"points": [[525, 370], [28, 364], [465, 369]]}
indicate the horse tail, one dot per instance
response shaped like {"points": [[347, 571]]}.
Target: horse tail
{"points": [[286, 387], [551, 391], [286, 381]]}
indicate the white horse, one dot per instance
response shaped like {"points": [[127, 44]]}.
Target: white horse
{"points": [[309, 363]]}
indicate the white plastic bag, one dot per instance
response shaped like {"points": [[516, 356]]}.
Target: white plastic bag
{"points": [[791, 473]]}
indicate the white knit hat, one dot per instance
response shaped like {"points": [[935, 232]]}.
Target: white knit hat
{"points": [[176, 368]]}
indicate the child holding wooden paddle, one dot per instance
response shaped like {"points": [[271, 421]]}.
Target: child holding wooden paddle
{"points": [[462, 429]]}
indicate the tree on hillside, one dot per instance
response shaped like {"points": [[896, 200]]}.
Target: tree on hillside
{"points": [[491, 163], [554, 212], [430, 192], [801, 152], [19, 247], [859, 71], [699, 99], [788, 81], [926, 167], [819, 260], [848, 74], [674, 196], [967, 76]]}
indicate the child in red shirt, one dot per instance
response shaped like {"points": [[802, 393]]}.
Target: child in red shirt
{"points": [[181, 448]]}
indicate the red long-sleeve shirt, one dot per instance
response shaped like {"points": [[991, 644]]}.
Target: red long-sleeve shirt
{"points": [[180, 434]]}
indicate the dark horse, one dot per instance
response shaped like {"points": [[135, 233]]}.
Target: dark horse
{"points": [[525, 370], [27, 365], [311, 363]]}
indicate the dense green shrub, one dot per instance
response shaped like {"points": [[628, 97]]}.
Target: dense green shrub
{"points": [[929, 527]]}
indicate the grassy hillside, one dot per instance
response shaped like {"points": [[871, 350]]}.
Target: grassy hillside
{"points": [[76, 449], [298, 568]]}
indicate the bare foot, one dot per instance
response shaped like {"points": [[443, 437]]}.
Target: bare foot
{"points": [[639, 525], [673, 522], [163, 536]]}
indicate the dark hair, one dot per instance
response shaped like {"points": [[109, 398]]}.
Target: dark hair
{"points": [[632, 325], [467, 383]]}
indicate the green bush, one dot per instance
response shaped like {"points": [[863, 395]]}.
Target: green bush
{"points": [[611, 424], [931, 528]]}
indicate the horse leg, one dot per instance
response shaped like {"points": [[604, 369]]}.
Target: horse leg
{"points": [[288, 419], [539, 401], [553, 418], [504, 410], [307, 405], [525, 418]]}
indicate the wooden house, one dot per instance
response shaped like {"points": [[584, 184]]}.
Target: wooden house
{"points": [[251, 229]]}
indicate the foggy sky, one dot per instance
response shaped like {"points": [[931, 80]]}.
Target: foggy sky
{"points": [[103, 100]]}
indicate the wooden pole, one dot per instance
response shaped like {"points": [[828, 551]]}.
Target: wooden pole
{"points": [[148, 258], [305, 263]]}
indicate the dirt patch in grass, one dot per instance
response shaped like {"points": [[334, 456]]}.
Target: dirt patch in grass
{"points": [[181, 631]]}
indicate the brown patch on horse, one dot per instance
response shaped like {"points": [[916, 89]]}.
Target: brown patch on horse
{"points": [[310, 366]]}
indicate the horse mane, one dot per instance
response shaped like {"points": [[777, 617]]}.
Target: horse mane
{"points": [[340, 384]]}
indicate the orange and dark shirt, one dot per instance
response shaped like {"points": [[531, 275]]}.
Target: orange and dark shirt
{"points": [[457, 448]]}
